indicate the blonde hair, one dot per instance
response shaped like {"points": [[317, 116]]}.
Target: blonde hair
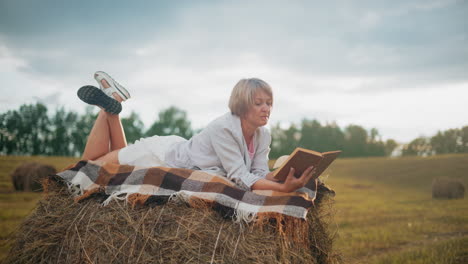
{"points": [[242, 95]]}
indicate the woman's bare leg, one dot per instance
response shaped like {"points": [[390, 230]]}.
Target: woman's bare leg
{"points": [[117, 133], [106, 132], [112, 157], [98, 139]]}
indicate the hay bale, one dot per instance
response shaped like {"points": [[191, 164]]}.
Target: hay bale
{"points": [[27, 176], [447, 189], [62, 231]]}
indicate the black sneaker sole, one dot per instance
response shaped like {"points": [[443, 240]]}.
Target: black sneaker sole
{"points": [[95, 96]]}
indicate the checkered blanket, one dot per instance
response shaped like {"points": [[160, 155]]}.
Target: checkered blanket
{"points": [[143, 186]]}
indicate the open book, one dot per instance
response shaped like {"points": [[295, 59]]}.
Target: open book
{"points": [[301, 158]]}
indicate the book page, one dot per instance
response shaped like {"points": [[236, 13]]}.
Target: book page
{"points": [[328, 158]]}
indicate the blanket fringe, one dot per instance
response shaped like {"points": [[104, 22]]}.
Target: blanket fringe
{"points": [[242, 216], [75, 190], [115, 196], [291, 229]]}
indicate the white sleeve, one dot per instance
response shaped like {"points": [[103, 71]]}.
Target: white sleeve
{"points": [[232, 160], [260, 161]]}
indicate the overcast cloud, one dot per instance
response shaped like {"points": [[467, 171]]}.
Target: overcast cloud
{"points": [[398, 66]]}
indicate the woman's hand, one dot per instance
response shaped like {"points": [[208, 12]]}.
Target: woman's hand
{"points": [[270, 176], [292, 183], [289, 185]]}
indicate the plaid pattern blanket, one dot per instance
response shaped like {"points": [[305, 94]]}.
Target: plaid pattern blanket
{"points": [[141, 185]]}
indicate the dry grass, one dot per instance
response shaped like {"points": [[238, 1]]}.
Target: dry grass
{"points": [[66, 232]]}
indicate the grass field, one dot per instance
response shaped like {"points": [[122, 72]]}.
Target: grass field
{"points": [[384, 212], [14, 206]]}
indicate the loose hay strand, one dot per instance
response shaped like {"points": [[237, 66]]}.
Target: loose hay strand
{"points": [[216, 244], [82, 245]]}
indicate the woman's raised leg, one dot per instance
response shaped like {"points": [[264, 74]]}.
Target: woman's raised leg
{"points": [[117, 133], [98, 139], [117, 139], [107, 136]]}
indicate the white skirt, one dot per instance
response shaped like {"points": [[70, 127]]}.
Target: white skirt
{"points": [[148, 152]]}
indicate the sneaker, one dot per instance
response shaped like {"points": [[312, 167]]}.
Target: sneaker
{"points": [[95, 96], [115, 87]]}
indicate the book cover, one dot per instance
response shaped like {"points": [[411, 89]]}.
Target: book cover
{"points": [[300, 159]]}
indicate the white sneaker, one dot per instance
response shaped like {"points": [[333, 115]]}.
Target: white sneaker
{"points": [[115, 87]]}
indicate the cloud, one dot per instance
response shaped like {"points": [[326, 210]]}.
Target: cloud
{"points": [[8, 61], [51, 99], [191, 54], [362, 39]]}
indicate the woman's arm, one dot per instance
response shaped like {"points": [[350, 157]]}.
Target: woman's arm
{"points": [[290, 184], [259, 164]]}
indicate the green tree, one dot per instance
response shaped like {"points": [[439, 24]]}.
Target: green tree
{"points": [[420, 146], [331, 137], [284, 141], [464, 139], [449, 141], [24, 132], [172, 121], [310, 137], [390, 146], [355, 141], [374, 135], [63, 124], [8, 133], [375, 145]]}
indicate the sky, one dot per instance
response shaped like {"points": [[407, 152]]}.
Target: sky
{"points": [[399, 66]]}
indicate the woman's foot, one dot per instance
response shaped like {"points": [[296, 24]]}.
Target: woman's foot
{"points": [[110, 86], [95, 96]]}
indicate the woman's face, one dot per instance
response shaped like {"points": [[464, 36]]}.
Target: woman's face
{"points": [[259, 113]]}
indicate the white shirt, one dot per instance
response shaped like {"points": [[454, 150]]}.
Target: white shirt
{"points": [[221, 149]]}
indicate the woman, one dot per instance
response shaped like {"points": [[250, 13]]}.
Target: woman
{"points": [[235, 145]]}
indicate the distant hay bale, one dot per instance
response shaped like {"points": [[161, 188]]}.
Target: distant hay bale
{"points": [[447, 189], [27, 176], [62, 231]]}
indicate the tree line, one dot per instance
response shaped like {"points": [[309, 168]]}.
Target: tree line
{"points": [[448, 141], [353, 140], [31, 130]]}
